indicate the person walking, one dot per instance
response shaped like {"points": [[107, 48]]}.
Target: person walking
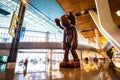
{"points": [[26, 63]]}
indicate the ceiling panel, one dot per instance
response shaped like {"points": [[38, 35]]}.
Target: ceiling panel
{"points": [[84, 22]]}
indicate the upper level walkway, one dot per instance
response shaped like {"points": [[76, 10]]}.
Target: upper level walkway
{"points": [[42, 45]]}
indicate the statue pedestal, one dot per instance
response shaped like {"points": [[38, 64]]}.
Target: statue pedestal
{"points": [[72, 64]]}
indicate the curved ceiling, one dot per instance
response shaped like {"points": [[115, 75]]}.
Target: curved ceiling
{"points": [[84, 21], [55, 8]]}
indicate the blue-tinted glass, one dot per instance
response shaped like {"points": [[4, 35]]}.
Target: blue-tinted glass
{"points": [[2, 67]]}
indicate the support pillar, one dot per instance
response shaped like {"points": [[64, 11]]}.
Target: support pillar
{"points": [[51, 58], [81, 54], [14, 46], [51, 62], [97, 39], [47, 36]]}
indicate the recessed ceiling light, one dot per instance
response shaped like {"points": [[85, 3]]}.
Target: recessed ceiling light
{"points": [[118, 12]]}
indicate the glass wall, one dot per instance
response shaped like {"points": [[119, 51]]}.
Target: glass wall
{"points": [[40, 54], [35, 28]]}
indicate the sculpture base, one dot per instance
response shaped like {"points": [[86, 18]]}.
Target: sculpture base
{"points": [[72, 64]]}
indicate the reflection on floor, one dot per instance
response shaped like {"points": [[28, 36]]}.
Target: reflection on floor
{"points": [[47, 71]]}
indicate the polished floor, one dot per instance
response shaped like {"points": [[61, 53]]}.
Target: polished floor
{"points": [[47, 71]]}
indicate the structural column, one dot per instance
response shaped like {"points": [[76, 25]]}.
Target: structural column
{"points": [[14, 46], [51, 58], [47, 36], [97, 39], [51, 62]]}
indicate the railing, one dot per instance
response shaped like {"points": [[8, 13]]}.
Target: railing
{"points": [[5, 37]]}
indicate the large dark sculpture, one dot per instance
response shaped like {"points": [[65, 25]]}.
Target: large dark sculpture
{"points": [[67, 23]]}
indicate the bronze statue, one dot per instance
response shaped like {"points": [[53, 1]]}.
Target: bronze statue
{"points": [[70, 42]]}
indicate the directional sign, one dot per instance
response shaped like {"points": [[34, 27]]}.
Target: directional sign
{"points": [[13, 24]]}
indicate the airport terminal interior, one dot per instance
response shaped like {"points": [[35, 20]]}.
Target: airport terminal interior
{"points": [[32, 43]]}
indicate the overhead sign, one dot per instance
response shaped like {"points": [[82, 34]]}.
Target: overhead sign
{"points": [[13, 24]]}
